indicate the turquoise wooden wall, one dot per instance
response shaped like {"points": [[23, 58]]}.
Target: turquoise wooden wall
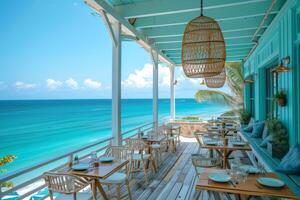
{"points": [[281, 39]]}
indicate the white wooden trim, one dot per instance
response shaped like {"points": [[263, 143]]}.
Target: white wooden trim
{"points": [[172, 93], [154, 57], [116, 85], [109, 27]]}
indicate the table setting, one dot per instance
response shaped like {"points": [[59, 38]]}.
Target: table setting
{"points": [[239, 181]]}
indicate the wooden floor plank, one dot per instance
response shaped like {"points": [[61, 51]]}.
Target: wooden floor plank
{"points": [[175, 178]]}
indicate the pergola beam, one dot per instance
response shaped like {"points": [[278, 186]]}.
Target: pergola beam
{"points": [[127, 28], [226, 26], [179, 40], [229, 43], [228, 50], [236, 34], [228, 14], [165, 7]]}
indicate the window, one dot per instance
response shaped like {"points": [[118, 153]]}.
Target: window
{"points": [[271, 87], [252, 97]]}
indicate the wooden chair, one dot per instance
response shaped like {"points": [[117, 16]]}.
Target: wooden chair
{"points": [[139, 154], [118, 178], [165, 130], [199, 162], [176, 134], [66, 185], [158, 148], [198, 135]]}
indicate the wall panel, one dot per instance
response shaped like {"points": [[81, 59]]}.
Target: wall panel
{"points": [[276, 43]]}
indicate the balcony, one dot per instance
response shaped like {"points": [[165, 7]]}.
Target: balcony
{"points": [[260, 34]]}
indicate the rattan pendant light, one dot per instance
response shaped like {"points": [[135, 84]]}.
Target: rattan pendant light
{"points": [[217, 81], [203, 48]]}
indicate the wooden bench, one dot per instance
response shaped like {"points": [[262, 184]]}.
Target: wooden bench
{"points": [[270, 163]]}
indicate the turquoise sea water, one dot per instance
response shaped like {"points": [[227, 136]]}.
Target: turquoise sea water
{"points": [[36, 130]]}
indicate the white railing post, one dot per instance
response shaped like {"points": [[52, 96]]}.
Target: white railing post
{"points": [[116, 85], [154, 56], [172, 92]]}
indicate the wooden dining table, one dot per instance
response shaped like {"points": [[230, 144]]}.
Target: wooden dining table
{"points": [[224, 131], [103, 171], [243, 189], [153, 139], [224, 150], [173, 128]]}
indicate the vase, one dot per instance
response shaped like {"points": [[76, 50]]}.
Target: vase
{"points": [[282, 102]]}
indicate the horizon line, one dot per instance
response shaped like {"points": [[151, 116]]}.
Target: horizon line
{"points": [[89, 99]]}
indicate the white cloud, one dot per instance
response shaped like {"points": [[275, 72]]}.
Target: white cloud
{"points": [[182, 78], [142, 78], [194, 80], [53, 84], [92, 84], [22, 85], [72, 83]]}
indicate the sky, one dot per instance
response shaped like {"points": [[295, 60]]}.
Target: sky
{"points": [[54, 49]]}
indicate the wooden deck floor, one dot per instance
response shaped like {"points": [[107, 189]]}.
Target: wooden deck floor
{"points": [[175, 178]]}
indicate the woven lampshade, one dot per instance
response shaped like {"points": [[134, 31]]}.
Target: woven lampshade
{"points": [[203, 48], [216, 81]]}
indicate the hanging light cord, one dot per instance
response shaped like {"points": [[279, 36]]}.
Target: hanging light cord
{"points": [[201, 7]]}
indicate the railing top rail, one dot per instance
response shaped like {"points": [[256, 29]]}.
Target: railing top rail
{"points": [[11, 175], [22, 171]]}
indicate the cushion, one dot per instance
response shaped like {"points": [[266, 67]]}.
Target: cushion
{"points": [[139, 156], [249, 127], [155, 146], [115, 178], [290, 164], [258, 128], [265, 142], [265, 133]]}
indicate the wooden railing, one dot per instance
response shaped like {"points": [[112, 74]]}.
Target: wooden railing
{"points": [[35, 183]]}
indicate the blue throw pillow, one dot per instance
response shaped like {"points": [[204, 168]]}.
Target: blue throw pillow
{"points": [[265, 132], [258, 128], [249, 127], [265, 142], [290, 164]]}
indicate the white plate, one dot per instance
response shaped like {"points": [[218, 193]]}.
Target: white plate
{"points": [[270, 182], [219, 177], [106, 159]]}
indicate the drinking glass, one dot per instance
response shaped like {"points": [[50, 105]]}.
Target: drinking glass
{"points": [[244, 175], [261, 169], [93, 159], [239, 176]]}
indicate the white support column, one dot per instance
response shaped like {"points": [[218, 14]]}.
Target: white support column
{"points": [[154, 56], [172, 92], [116, 84]]}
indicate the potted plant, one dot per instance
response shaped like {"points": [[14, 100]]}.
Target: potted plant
{"points": [[280, 139], [244, 117], [280, 97]]}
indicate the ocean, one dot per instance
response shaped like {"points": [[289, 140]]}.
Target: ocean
{"points": [[37, 130]]}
